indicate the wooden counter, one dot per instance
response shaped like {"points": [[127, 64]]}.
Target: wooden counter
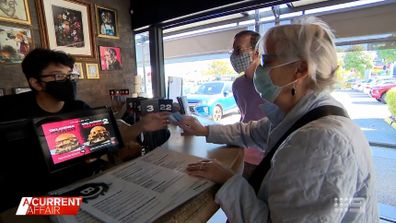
{"points": [[198, 209], [202, 207]]}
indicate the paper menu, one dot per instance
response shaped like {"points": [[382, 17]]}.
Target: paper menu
{"points": [[141, 190]]}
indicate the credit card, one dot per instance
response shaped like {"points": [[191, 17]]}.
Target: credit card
{"points": [[176, 117]]}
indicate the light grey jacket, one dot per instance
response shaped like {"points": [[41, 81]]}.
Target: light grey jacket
{"points": [[322, 172]]}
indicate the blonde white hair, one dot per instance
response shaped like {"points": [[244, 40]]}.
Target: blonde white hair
{"points": [[308, 39]]}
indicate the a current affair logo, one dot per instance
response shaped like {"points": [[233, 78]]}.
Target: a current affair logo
{"points": [[49, 206]]}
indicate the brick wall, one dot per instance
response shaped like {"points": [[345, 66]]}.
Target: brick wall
{"points": [[94, 92]]}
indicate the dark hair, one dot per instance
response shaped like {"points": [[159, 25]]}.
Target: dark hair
{"points": [[254, 36], [39, 59]]}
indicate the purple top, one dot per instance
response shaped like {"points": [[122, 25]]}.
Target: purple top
{"points": [[247, 99]]}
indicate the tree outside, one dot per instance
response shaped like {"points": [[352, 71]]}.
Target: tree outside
{"points": [[388, 55], [219, 68], [389, 58], [358, 60]]}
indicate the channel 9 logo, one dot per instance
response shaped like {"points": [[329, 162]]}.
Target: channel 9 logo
{"points": [[354, 204]]}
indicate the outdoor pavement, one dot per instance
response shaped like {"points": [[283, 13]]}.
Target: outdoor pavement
{"points": [[369, 114]]}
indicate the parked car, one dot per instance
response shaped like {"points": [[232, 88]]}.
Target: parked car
{"points": [[378, 82], [348, 83], [364, 84], [212, 99], [379, 92], [356, 84]]}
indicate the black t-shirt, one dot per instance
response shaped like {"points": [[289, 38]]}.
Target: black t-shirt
{"points": [[24, 105]]}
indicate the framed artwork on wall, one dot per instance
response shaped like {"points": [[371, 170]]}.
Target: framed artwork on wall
{"points": [[106, 22], [16, 11], [66, 26], [78, 68], [110, 58], [92, 70], [15, 43], [2, 92]]}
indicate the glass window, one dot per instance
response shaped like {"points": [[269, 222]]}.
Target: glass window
{"points": [[228, 87], [144, 83], [210, 88]]}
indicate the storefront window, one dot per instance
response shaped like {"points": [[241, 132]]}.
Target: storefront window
{"points": [[143, 65]]}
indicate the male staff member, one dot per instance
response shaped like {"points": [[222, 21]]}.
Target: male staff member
{"points": [[49, 74]]}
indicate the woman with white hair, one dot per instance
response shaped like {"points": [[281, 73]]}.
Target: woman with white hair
{"points": [[318, 167]]}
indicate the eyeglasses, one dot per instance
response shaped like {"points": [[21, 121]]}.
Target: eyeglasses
{"points": [[62, 77], [267, 59]]}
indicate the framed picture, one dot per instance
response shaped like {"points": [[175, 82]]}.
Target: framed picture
{"points": [[106, 22], [66, 26], [15, 11], [2, 92], [110, 58], [92, 70], [78, 68], [15, 44]]}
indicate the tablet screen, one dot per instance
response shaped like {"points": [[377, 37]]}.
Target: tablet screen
{"points": [[65, 138]]}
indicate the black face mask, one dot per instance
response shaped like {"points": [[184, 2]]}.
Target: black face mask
{"points": [[63, 91]]}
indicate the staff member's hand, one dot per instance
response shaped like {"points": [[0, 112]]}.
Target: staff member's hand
{"points": [[154, 121], [211, 170], [192, 126]]}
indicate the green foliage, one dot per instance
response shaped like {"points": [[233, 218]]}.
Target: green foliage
{"points": [[358, 60], [341, 72], [220, 68], [388, 55], [391, 101]]}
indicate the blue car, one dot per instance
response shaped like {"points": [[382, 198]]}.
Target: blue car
{"points": [[213, 100]]}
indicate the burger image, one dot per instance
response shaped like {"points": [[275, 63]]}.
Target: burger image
{"points": [[66, 142], [98, 134]]}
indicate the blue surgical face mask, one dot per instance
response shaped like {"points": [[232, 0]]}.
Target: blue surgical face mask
{"points": [[263, 83], [241, 62]]}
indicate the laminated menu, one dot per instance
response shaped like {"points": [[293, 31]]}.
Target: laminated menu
{"points": [[141, 190]]}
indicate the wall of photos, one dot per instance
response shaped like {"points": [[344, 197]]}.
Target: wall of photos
{"points": [[96, 32]]}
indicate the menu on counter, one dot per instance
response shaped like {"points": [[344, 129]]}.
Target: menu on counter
{"points": [[141, 190]]}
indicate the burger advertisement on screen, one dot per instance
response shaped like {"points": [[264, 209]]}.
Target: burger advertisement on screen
{"points": [[98, 132], [72, 138], [65, 140]]}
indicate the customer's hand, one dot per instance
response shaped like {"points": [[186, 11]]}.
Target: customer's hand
{"points": [[211, 170], [154, 121], [192, 126]]}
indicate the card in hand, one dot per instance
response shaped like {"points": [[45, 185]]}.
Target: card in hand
{"points": [[176, 117]]}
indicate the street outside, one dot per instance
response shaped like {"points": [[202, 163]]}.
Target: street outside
{"points": [[369, 115]]}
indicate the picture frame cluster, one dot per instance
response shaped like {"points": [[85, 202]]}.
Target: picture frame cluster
{"points": [[64, 25], [91, 70], [15, 33]]}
